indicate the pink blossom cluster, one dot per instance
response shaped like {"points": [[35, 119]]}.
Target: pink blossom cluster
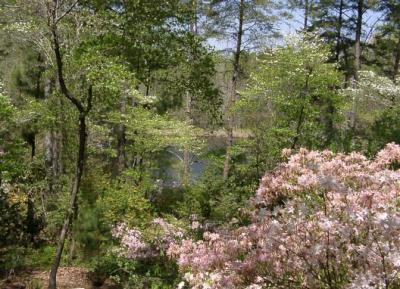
{"points": [[320, 220], [132, 242], [137, 244], [167, 235]]}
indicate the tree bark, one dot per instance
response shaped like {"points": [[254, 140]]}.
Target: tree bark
{"points": [[31, 228], [232, 96], [357, 66], [53, 153], [186, 150], [396, 61], [306, 14], [188, 112], [329, 124], [339, 32], [30, 138], [83, 111], [52, 145], [72, 203], [121, 140], [300, 118], [357, 42]]}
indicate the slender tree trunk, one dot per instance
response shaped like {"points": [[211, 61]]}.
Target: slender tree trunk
{"points": [[121, 140], [188, 112], [232, 96], [298, 127], [52, 145], [329, 127], [306, 14], [186, 150], [357, 42], [329, 124], [73, 201], [396, 61], [31, 228], [148, 79], [30, 138], [339, 32], [53, 162], [357, 66], [300, 118], [30, 218], [347, 73], [83, 111]]}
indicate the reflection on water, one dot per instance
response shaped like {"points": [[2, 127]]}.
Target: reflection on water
{"points": [[170, 162]]}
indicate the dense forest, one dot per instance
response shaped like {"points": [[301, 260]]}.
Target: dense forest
{"points": [[200, 144]]}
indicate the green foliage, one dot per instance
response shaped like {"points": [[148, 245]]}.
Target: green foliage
{"points": [[11, 218], [11, 149], [386, 129], [18, 257], [374, 103], [159, 87], [291, 100], [123, 202], [154, 274], [150, 132], [211, 199]]}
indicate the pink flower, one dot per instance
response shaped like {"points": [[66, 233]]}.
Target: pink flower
{"points": [[321, 220]]}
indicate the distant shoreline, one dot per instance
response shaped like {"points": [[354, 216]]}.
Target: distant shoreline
{"points": [[238, 133]]}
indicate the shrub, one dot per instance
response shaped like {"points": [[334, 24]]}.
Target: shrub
{"points": [[318, 221]]}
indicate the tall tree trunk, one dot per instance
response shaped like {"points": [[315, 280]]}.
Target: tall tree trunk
{"points": [[30, 138], [148, 79], [186, 150], [396, 61], [121, 140], [300, 118], [357, 42], [83, 111], [306, 14], [356, 68], [232, 96], [73, 200], [348, 72], [339, 32], [329, 124], [31, 228], [52, 145], [188, 112]]}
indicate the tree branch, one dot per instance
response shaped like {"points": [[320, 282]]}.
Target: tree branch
{"points": [[67, 11], [60, 73]]}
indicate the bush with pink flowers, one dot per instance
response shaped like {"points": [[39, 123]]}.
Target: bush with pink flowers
{"points": [[320, 220]]}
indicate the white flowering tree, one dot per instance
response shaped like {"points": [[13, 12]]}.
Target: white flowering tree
{"points": [[373, 112], [292, 97]]}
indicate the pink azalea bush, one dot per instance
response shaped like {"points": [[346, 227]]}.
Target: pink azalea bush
{"points": [[153, 242], [320, 220]]}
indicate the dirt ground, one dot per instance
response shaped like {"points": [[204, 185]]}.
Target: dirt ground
{"points": [[67, 278]]}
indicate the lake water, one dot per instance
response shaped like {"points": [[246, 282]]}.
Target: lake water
{"points": [[170, 163]]}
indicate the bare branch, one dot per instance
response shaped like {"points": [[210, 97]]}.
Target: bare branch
{"points": [[67, 11], [372, 28]]}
